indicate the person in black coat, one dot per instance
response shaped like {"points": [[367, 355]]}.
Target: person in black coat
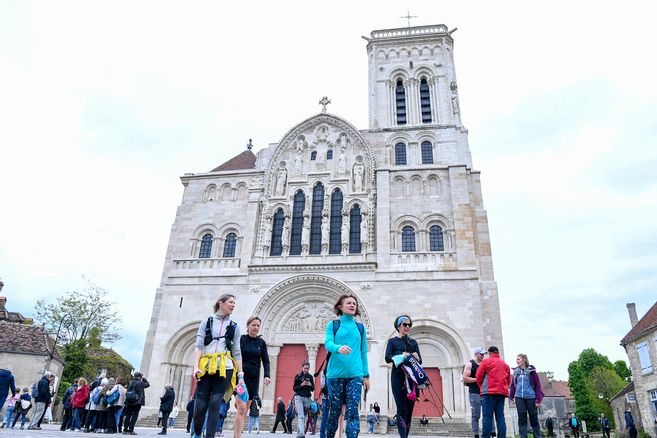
{"points": [[190, 413], [138, 384], [166, 406], [280, 415], [68, 409]]}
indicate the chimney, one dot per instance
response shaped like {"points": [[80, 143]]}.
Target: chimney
{"points": [[3, 301], [631, 309]]}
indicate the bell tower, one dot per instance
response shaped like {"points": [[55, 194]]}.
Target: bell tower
{"points": [[412, 81]]}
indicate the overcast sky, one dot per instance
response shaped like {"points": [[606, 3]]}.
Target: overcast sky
{"points": [[104, 104]]}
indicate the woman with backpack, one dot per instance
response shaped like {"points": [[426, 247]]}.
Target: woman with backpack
{"points": [[93, 417], [217, 367], [347, 371], [402, 344], [115, 399], [527, 394]]}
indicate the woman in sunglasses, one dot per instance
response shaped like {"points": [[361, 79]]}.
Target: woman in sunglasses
{"points": [[402, 344]]}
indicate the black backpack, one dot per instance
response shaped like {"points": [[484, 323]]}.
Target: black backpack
{"points": [[230, 334]]}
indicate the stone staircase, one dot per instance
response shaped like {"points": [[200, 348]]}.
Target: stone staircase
{"points": [[436, 427]]}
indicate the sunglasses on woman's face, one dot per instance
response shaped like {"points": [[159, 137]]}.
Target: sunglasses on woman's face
{"points": [[407, 324]]}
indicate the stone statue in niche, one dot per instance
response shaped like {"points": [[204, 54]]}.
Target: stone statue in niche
{"points": [[298, 160], [342, 162], [363, 227], [285, 237], [266, 231], [305, 235], [326, 230], [455, 98], [358, 175], [344, 231], [322, 133], [281, 179]]}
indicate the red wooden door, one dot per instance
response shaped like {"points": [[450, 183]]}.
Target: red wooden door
{"points": [[321, 355], [430, 402], [289, 365]]}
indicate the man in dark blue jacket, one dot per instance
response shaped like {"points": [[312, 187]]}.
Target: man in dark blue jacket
{"points": [[6, 383], [68, 409], [42, 400]]}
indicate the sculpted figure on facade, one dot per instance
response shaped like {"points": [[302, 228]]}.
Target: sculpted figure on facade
{"points": [[326, 230], [344, 231], [455, 98], [285, 237], [322, 133], [358, 175], [364, 238], [281, 180], [305, 234], [266, 232], [298, 160]]}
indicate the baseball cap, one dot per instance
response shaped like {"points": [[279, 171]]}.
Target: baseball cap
{"points": [[479, 350]]}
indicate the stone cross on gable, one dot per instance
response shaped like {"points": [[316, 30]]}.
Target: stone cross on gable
{"points": [[325, 101]]}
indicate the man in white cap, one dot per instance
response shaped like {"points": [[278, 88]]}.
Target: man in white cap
{"points": [[469, 380]]}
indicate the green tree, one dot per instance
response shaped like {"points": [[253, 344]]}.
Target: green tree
{"points": [[622, 370], [578, 382], [604, 383], [90, 309]]}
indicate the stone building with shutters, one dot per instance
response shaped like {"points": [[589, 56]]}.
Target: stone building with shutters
{"points": [[392, 213]]}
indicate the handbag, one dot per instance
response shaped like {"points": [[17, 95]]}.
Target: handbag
{"points": [[25, 404]]}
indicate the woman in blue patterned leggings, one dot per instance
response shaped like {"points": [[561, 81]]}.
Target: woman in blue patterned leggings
{"points": [[347, 371]]}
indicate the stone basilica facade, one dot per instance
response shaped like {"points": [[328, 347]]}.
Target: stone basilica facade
{"points": [[393, 214]]}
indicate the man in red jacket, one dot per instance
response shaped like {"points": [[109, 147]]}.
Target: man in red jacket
{"points": [[494, 378]]}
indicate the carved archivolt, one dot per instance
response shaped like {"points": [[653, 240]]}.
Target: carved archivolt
{"points": [[298, 309]]}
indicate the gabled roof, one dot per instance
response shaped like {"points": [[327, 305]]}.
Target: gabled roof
{"points": [[25, 339], [6, 315], [629, 388], [245, 160], [645, 325], [554, 388]]}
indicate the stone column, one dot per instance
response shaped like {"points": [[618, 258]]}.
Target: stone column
{"points": [[268, 391], [312, 356]]}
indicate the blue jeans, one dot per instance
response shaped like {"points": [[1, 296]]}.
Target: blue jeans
{"points": [[10, 410], [344, 391], [255, 422], [475, 406], [493, 404], [325, 412]]}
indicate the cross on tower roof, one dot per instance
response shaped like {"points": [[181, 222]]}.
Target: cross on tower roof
{"points": [[325, 101], [408, 17]]}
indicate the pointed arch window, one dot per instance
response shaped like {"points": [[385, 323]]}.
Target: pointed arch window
{"points": [[297, 222], [316, 219], [425, 101], [277, 233], [408, 239], [336, 222], [313, 155], [436, 241], [400, 102], [206, 246], [427, 152], [400, 154], [329, 154], [354, 229], [230, 245]]}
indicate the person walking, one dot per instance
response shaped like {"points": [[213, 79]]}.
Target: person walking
{"points": [[629, 423], [42, 400], [575, 425], [190, 413], [9, 411], [174, 414], [254, 413], [493, 378], [604, 426], [289, 416], [549, 425], [304, 385], [254, 353], [7, 384], [474, 394], [166, 406], [371, 418], [347, 370], [21, 408], [135, 398], [67, 399], [527, 395], [402, 344], [280, 415], [217, 366]]}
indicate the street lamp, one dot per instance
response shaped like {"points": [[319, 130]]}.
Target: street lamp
{"points": [[54, 345]]}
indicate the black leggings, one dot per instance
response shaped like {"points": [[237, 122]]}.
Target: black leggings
{"points": [[209, 392], [404, 405]]}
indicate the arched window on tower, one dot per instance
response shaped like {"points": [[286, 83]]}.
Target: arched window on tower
{"points": [[277, 233], [230, 245], [400, 102], [354, 229], [329, 154], [436, 242], [297, 222], [408, 239], [206, 246], [427, 152], [336, 222], [316, 219], [425, 101], [400, 154], [313, 155]]}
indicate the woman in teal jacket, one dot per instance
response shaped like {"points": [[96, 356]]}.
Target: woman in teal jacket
{"points": [[347, 372]]}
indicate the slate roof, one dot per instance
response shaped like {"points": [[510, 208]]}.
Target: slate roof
{"points": [[25, 339], [245, 160], [6, 315], [555, 388], [645, 325], [629, 388]]}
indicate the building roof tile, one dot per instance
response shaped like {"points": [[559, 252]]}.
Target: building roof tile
{"points": [[645, 325], [245, 160], [554, 388], [25, 339]]}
